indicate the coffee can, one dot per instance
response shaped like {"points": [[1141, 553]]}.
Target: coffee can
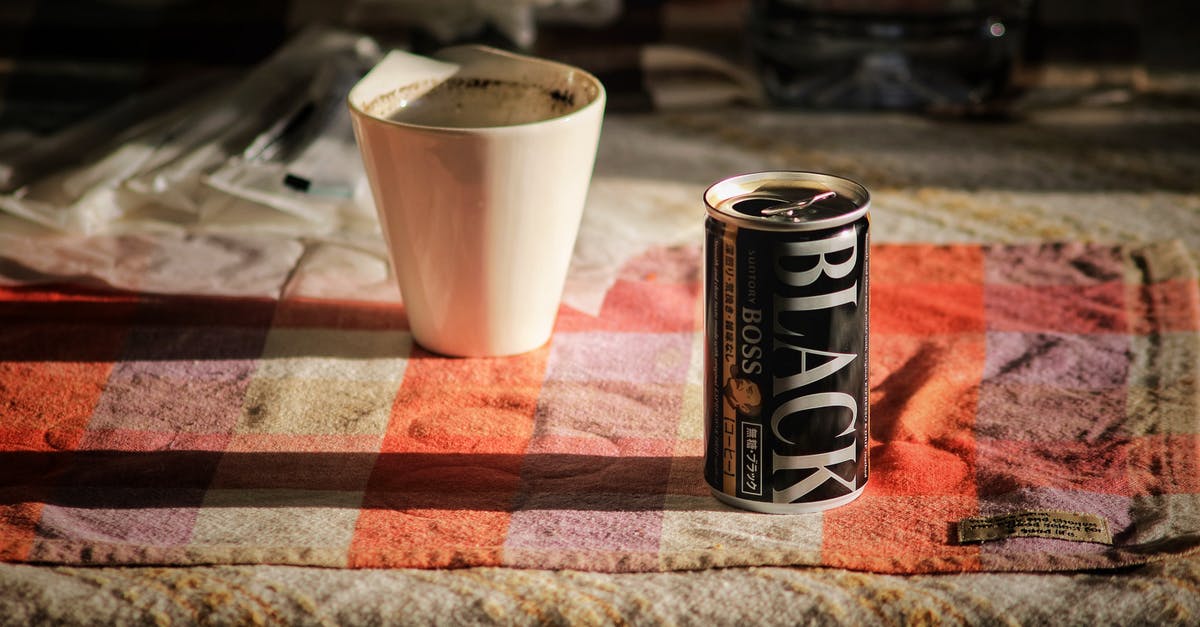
{"points": [[786, 393]]}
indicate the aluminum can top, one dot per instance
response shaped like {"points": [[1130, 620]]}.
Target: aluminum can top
{"points": [[787, 201]]}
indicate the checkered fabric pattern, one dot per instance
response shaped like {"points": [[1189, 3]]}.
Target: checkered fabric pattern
{"points": [[138, 429]]}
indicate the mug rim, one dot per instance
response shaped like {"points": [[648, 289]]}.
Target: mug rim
{"points": [[597, 101]]}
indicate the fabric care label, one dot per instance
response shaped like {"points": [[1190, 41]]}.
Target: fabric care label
{"points": [[1073, 526]]}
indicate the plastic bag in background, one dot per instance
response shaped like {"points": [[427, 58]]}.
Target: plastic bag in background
{"points": [[272, 96], [25, 157], [164, 160], [306, 164], [136, 212], [83, 198]]}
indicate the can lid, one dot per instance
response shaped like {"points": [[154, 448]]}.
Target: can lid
{"points": [[787, 201]]}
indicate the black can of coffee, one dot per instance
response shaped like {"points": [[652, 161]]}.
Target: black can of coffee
{"points": [[786, 404]]}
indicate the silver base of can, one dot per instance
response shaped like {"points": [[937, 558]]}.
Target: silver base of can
{"points": [[785, 508]]}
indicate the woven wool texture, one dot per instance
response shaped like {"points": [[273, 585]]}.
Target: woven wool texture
{"points": [[139, 429]]}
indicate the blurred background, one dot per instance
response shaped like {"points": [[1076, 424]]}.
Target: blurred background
{"points": [[62, 60]]}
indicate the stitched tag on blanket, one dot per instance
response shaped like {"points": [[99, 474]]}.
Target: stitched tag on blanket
{"points": [[1074, 526]]}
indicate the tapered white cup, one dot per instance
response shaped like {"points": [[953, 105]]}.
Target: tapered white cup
{"points": [[480, 221]]}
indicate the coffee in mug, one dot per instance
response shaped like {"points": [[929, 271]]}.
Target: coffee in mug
{"points": [[474, 102]]}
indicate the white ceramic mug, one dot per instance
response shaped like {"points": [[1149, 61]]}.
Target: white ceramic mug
{"points": [[479, 193]]}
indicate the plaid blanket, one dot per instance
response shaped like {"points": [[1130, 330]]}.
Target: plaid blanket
{"points": [[140, 429]]}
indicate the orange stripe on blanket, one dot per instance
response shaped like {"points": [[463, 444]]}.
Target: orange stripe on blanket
{"points": [[906, 534], [924, 396], [1165, 307], [906, 264], [450, 463], [652, 307], [51, 379], [1165, 464]]}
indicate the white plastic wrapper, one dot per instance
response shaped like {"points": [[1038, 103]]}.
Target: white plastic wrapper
{"points": [[254, 115], [307, 163], [25, 158], [623, 218], [138, 212], [165, 159], [330, 271], [163, 262], [85, 198]]}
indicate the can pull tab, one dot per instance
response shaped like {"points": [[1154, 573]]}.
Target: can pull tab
{"points": [[760, 205], [789, 209]]}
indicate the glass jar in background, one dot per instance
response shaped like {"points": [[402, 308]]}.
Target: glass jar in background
{"points": [[955, 55]]}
